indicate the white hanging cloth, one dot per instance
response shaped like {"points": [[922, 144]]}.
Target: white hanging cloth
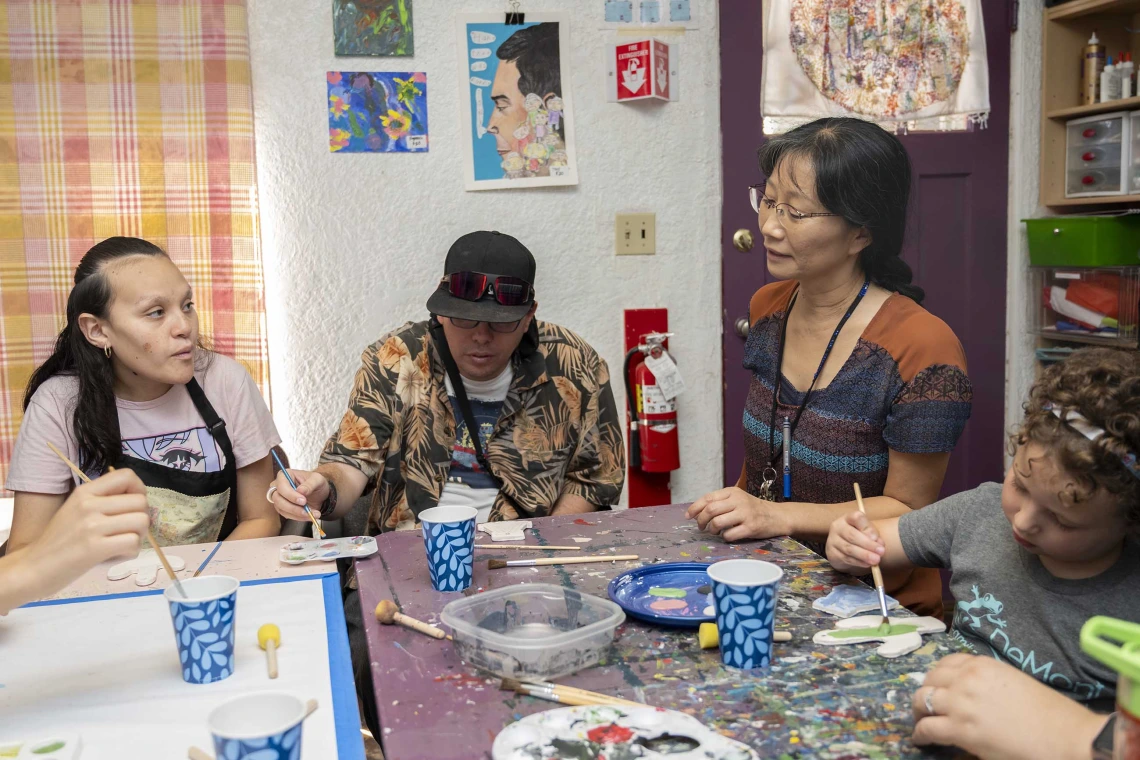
{"points": [[883, 60]]}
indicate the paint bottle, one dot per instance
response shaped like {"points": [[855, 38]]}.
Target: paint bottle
{"points": [[1092, 63], [1116, 643], [1124, 69], [1109, 83]]}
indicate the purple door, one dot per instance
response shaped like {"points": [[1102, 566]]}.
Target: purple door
{"points": [[956, 240]]}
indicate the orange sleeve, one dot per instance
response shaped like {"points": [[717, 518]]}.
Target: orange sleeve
{"points": [[770, 299], [915, 338]]}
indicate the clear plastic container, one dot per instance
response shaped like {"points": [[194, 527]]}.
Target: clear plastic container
{"points": [[1104, 181], [1095, 156], [1095, 130], [536, 630]]}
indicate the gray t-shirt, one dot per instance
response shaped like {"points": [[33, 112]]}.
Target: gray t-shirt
{"points": [[1009, 605]]}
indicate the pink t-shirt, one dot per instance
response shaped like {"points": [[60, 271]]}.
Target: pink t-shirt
{"points": [[167, 431]]}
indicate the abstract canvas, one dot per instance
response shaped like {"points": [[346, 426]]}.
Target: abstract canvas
{"points": [[377, 112], [372, 27]]}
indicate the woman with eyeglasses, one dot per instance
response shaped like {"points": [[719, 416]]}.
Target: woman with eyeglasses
{"points": [[129, 386], [864, 384]]}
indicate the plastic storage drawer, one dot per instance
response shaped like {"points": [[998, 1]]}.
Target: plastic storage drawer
{"points": [[1084, 241]]}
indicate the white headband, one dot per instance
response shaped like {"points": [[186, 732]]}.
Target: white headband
{"points": [[1081, 424]]}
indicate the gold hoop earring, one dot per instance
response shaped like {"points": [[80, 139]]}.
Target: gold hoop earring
{"points": [[107, 351]]}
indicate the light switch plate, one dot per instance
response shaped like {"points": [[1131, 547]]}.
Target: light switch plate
{"points": [[635, 234]]}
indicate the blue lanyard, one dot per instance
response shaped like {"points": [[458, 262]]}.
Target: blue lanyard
{"points": [[789, 430]]}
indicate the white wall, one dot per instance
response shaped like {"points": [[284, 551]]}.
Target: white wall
{"points": [[1024, 183], [353, 244]]}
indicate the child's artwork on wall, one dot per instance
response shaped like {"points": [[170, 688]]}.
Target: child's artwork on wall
{"points": [[372, 27], [377, 112], [517, 110]]}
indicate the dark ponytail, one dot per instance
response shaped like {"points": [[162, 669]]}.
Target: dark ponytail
{"points": [[96, 419], [862, 173]]}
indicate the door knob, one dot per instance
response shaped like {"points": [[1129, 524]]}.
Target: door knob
{"points": [[742, 327], [742, 240]]}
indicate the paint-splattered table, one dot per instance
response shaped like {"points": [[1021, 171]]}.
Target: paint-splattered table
{"points": [[838, 703], [247, 560]]}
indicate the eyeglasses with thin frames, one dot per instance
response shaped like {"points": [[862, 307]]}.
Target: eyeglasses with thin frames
{"points": [[762, 204], [499, 327]]}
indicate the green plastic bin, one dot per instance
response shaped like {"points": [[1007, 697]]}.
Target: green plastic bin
{"points": [[1084, 241]]}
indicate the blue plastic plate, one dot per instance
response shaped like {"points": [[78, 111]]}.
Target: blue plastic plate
{"points": [[675, 593]]}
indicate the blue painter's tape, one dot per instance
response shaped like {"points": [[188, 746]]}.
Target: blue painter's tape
{"points": [[156, 591], [349, 744]]}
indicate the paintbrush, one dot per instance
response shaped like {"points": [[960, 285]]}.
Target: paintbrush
{"points": [[149, 536], [877, 574], [496, 564], [531, 547], [388, 613], [563, 694], [309, 512]]}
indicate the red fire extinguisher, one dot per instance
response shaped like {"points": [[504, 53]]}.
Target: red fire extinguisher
{"points": [[653, 440]]}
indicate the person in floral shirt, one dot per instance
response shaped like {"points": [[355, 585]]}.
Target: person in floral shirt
{"points": [[548, 430]]}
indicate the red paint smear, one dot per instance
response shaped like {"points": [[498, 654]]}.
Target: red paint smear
{"points": [[763, 551], [462, 679], [580, 521]]}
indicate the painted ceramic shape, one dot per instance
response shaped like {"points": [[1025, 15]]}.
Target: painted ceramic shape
{"points": [[595, 732], [904, 636]]}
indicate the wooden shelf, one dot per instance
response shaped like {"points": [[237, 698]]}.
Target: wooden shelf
{"points": [[1078, 8], [1099, 200], [1125, 104], [1091, 340]]}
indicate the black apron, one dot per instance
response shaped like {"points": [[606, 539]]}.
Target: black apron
{"points": [[191, 507]]}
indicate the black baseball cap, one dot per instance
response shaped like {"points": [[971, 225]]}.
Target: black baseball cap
{"points": [[493, 254]]}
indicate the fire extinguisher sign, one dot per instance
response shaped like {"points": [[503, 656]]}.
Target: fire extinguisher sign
{"points": [[633, 70], [652, 401]]}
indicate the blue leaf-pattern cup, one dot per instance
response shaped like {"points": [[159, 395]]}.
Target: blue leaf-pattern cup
{"points": [[449, 538], [744, 591], [204, 626], [263, 726]]}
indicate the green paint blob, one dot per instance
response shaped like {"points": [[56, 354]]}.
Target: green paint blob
{"points": [[48, 748], [897, 629], [672, 593]]}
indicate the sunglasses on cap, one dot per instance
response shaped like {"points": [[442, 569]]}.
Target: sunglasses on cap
{"points": [[472, 286]]}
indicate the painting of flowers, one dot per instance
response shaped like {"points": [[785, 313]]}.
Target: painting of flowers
{"points": [[372, 27], [377, 112]]}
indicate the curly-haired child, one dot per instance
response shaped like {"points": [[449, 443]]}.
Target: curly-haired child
{"points": [[1036, 556]]}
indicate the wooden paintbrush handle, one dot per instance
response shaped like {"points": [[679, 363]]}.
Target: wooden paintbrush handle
{"points": [[877, 574], [530, 547], [418, 625], [583, 560], [600, 698]]}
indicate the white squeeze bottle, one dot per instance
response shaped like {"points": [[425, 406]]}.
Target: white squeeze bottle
{"points": [[1109, 83], [1124, 71]]}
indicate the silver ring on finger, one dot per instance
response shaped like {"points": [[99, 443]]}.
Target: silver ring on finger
{"points": [[269, 494], [928, 701]]}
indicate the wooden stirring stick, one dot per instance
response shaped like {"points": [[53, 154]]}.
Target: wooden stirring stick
{"points": [[876, 573], [388, 613], [149, 536]]}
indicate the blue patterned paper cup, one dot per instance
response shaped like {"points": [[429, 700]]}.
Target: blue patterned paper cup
{"points": [[204, 626], [744, 591], [449, 538], [263, 726]]}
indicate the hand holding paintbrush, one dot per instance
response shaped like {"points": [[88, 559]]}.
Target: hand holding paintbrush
{"points": [[876, 573], [149, 536]]}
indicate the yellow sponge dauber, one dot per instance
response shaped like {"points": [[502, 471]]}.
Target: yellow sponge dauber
{"points": [[709, 636]]}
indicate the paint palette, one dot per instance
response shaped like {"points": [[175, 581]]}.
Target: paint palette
{"points": [[65, 747], [328, 550], [675, 593], [618, 732]]}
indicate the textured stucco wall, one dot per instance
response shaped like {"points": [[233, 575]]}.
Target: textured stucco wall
{"points": [[1024, 182], [354, 243]]}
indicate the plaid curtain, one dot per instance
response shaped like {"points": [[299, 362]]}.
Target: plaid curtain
{"points": [[125, 117]]}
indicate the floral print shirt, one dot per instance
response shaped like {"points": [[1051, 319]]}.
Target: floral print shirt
{"points": [[558, 432]]}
